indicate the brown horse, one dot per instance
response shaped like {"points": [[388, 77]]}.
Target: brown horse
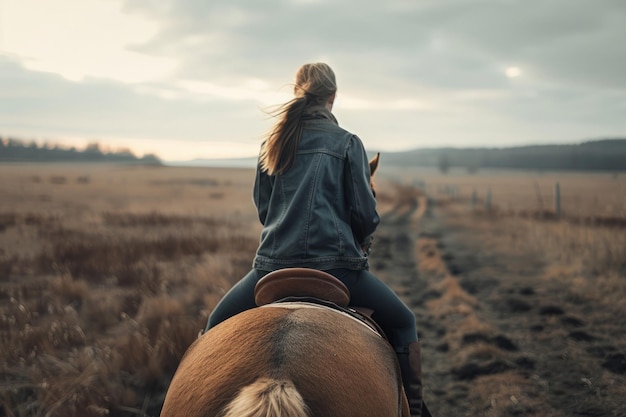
{"points": [[288, 361]]}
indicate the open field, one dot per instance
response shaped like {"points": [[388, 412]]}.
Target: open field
{"points": [[107, 274], [582, 194]]}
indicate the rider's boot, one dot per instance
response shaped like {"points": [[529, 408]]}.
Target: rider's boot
{"points": [[410, 359]]}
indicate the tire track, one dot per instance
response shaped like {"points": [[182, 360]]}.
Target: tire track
{"points": [[479, 359], [397, 250], [564, 364], [498, 340]]}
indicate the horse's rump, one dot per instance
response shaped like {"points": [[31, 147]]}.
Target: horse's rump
{"points": [[338, 367]]}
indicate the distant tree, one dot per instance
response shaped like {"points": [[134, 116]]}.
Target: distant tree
{"points": [[12, 142], [12, 149], [124, 152], [31, 151], [151, 159], [93, 152], [93, 148]]}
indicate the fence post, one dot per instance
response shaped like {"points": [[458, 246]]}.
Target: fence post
{"points": [[474, 198], [488, 200], [557, 199]]}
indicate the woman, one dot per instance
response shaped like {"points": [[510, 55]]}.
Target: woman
{"points": [[313, 196]]}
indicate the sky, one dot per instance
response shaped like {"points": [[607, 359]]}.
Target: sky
{"points": [[187, 79]]}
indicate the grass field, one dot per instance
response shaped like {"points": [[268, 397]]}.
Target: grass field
{"points": [[108, 273]]}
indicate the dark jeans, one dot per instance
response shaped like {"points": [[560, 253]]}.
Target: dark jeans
{"points": [[395, 318]]}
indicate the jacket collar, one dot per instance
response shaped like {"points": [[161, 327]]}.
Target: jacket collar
{"points": [[318, 112]]}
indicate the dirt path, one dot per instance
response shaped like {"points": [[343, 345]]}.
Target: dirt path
{"points": [[498, 338]]}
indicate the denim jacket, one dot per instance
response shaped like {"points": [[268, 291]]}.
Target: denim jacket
{"points": [[319, 212]]}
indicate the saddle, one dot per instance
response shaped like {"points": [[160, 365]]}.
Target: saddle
{"points": [[310, 286]]}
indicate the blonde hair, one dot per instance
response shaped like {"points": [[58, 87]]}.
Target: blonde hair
{"points": [[268, 397], [315, 84]]}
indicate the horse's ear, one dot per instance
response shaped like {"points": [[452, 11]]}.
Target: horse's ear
{"points": [[374, 164]]}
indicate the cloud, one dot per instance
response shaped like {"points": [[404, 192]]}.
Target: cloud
{"points": [[80, 39], [561, 42], [447, 43], [47, 106], [410, 73]]}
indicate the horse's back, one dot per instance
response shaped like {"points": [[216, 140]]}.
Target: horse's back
{"points": [[339, 367]]}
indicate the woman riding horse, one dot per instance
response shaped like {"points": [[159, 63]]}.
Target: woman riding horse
{"points": [[313, 196]]}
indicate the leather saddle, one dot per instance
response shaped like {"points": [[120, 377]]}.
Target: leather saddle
{"points": [[311, 286]]}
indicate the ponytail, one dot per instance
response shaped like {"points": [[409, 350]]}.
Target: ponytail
{"points": [[315, 83], [278, 152]]}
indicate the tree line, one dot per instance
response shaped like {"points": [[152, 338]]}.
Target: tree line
{"points": [[16, 150], [599, 155]]}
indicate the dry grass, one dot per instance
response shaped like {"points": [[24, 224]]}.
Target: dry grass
{"points": [[588, 261], [599, 194], [107, 274], [569, 316], [522, 310]]}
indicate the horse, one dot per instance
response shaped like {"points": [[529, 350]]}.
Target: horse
{"points": [[294, 359], [291, 359]]}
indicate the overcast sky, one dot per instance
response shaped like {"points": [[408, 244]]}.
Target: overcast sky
{"points": [[191, 78]]}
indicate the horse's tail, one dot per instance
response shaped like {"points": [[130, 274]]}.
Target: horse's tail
{"points": [[267, 397]]}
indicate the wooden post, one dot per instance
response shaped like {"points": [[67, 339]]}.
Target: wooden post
{"points": [[557, 199], [488, 200], [474, 198]]}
